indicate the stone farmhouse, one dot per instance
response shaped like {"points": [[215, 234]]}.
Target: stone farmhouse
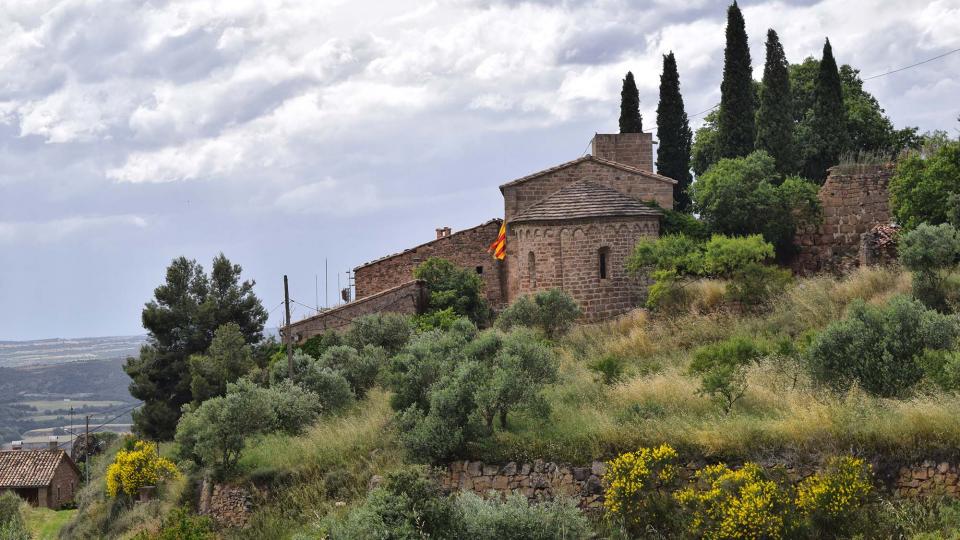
{"points": [[569, 227], [47, 478]]}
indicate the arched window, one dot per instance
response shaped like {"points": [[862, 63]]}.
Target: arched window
{"points": [[604, 256], [531, 270]]}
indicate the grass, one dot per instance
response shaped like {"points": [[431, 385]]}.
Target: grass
{"points": [[45, 524]]}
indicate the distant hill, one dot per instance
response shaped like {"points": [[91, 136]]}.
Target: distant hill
{"points": [[59, 351]]}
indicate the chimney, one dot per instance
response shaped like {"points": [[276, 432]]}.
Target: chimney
{"points": [[52, 442], [443, 232], [16, 445], [631, 149]]}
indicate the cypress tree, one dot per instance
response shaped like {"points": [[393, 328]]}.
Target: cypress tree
{"points": [[673, 130], [829, 118], [630, 119], [737, 118], [775, 117]]}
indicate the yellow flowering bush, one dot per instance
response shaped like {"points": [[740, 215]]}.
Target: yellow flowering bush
{"points": [[136, 468], [740, 504], [636, 482], [831, 498]]}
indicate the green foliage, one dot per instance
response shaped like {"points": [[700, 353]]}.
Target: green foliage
{"points": [[331, 387], [435, 320], [12, 526], [828, 123], [775, 115], [745, 196], [943, 368], [408, 505], [676, 259], [673, 131], [181, 320], [931, 253], [228, 359], [923, 184], [391, 331], [516, 518], [445, 382], [317, 345], [736, 132], [608, 367], [722, 369], [453, 288], [675, 222], [553, 312], [880, 348], [630, 119], [705, 150], [831, 499], [215, 433], [182, 524], [360, 369]]}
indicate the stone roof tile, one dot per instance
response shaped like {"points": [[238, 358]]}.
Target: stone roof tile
{"points": [[585, 199]]}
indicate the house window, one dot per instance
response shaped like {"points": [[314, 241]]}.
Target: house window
{"points": [[480, 270], [58, 493], [604, 262], [532, 270]]}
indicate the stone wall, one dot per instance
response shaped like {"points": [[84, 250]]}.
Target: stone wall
{"points": [[566, 256], [409, 298], [928, 478], [633, 149], [466, 248], [854, 202], [228, 505]]}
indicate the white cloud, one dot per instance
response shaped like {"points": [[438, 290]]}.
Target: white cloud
{"points": [[60, 229], [332, 198]]}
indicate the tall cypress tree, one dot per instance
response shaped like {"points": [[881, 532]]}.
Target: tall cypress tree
{"points": [[737, 116], [673, 130], [829, 118], [775, 117], [630, 119]]}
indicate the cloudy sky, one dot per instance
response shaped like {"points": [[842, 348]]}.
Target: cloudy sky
{"points": [[287, 133]]}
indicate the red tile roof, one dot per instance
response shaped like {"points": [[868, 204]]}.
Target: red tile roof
{"points": [[30, 468]]}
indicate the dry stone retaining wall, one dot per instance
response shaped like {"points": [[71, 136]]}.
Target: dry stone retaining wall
{"points": [[228, 505]]}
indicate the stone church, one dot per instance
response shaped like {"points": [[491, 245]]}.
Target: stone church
{"points": [[570, 227]]}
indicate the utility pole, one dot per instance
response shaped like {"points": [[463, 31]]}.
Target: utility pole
{"points": [[326, 284], [86, 451], [286, 336]]}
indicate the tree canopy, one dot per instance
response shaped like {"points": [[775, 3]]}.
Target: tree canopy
{"points": [[630, 119], [775, 116], [737, 110], [673, 131]]}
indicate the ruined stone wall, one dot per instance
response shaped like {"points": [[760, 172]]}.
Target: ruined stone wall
{"points": [[566, 256], [466, 248], [854, 202], [228, 505], [518, 197], [409, 298], [633, 149]]}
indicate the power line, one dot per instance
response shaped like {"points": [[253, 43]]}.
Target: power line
{"points": [[704, 111], [912, 65]]}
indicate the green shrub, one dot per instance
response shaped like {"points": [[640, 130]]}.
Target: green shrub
{"points": [[391, 331], [360, 370], [553, 312], [407, 505], [182, 524], [339, 483], [331, 387], [880, 348], [515, 518], [609, 368], [722, 369], [435, 320], [11, 520], [834, 499], [931, 252], [637, 487], [733, 504], [317, 345], [295, 407], [922, 184], [228, 359], [452, 287]]}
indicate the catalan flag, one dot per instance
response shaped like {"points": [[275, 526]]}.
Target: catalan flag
{"points": [[499, 246]]}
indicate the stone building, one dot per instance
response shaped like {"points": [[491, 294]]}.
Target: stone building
{"points": [[47, 478], [569, 227]]}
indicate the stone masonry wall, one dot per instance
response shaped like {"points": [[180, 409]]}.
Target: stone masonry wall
{"points": [[228, 505], [409, 298], [567, 257], [633, 149], [518, 197], [466, 248], [853, 204]]}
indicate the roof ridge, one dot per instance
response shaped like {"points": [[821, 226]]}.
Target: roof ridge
{"points": [[590, 157], [418, 246]]}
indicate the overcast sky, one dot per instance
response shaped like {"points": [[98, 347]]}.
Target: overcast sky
{"points": [[284, 133]]}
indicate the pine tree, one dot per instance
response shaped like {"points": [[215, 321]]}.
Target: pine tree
{"points": [[630, 119], [775, 117], [829, 118], [673, 130], [737, 115]]}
